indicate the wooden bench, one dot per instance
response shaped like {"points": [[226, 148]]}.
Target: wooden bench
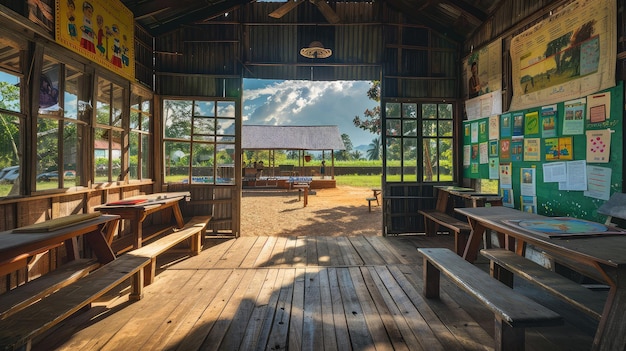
{"points": [[18, 329], [504, 264], [194, 230], [24, 295], [461, 229], [369, 202], [513, 311]]}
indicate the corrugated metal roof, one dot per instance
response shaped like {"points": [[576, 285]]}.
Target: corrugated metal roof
{"points": [[291, 138]]}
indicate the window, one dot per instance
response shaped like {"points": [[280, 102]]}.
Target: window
{"points": [[199, 141], [418, 142], [108, 132], [61, 122], [10, 121], [139, 136]]}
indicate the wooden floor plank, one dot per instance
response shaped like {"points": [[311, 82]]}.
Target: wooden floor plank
{"points": [[297, 311], [253, 254], [339, 313], [311, 251], [375, 325], [351, 257], [257, 332], [238, 312], [200, 325], [182, 319], [326, 302], [409, 338], [278, 338], [319, 293], [323, 253], [264, 258], [357, 326], [312, 326], [299, 252], [235, 255], [381, 245], [209, 257], [419, 326], [366, 251], [336, 258]]}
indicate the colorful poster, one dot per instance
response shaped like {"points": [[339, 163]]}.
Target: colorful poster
{"points": [[566, 148], [598, 107], [517, 149], [483, 158], [505, 148], [574, 119], [482, 131], [598, 182], [528, 185], [493, 148], [474, 131], [483, 70], [529, 204], [568, 55], [551, 149], [518, 124], [598, 145], [103, 31], [494, 127], [507, 197], [532, 149], [531, 123], [494, 168], [505, 125], [506, 177], [548, 121]]}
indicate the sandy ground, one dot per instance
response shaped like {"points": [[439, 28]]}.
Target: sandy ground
{"points": [[341, 211]]}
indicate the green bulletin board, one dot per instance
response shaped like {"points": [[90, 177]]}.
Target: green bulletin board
{"points": [[545, 134]]}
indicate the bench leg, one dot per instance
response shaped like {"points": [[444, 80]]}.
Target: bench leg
{"points": [[196, 243], [137, 281], [369, 205], [149, 272], [501, 273], [431, 280], [508, 338]]}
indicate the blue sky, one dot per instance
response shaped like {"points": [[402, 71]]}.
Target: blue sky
{"points": [[306, 103]]}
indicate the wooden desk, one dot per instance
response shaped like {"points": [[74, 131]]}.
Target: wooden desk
{"points": [[446, 196], [16, 248], [606, 254], [137, 213]]}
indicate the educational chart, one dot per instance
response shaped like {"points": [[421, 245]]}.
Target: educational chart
{"points": [[546, 165], [569, 55]]}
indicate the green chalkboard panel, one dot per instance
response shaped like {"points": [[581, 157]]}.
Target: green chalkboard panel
{"points": [[548, 128]]}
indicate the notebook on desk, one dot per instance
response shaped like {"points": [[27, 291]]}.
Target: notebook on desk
{"points": [[57, 223], [126, 202]]}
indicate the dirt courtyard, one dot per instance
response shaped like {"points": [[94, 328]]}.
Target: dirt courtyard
{"points": [[340, 211]]}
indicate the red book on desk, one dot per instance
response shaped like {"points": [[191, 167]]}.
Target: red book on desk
{"points": [[127, 202]]}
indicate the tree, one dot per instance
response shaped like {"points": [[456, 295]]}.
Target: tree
{"points": [[9, 125], [344, 155], [374, 151], [371, 118]]}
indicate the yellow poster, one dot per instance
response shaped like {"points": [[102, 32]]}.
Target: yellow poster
{"points": [[566, 56], [100, 30]]}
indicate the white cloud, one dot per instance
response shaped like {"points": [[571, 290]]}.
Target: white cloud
{"points": [[308, 103]]}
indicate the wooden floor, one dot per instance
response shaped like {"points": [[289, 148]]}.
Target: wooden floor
{"points": [[302, 293]]}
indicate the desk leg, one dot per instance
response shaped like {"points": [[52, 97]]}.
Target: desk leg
{"points": [[473, 243], [71, 249], [180, 221], [100, 246], [136, 229], [306, 196], [611, 333]]}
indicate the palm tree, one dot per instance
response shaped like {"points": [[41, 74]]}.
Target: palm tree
{"points": [[373, 153]]}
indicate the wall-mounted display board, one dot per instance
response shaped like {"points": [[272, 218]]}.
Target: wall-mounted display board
{"points": [[563, 159]]}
